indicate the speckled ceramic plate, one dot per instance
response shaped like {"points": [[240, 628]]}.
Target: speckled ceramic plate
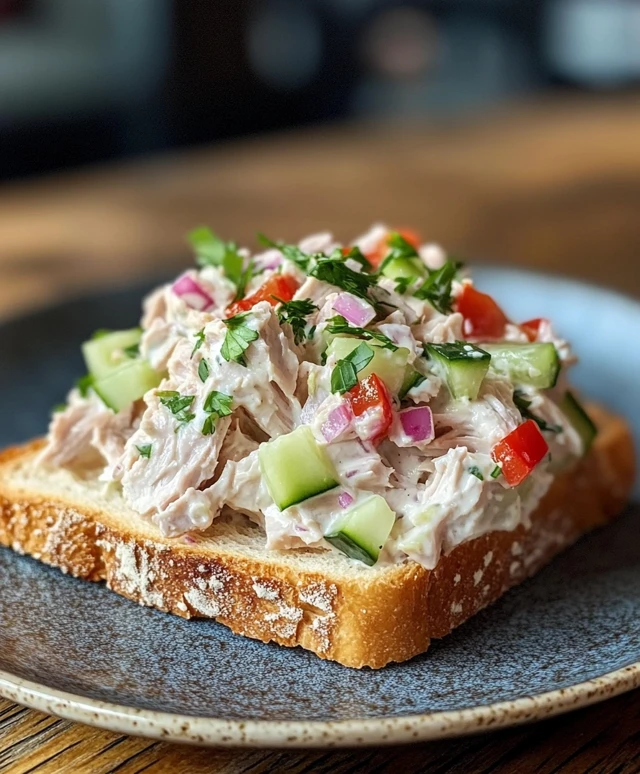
{"points": [[569, 637]]}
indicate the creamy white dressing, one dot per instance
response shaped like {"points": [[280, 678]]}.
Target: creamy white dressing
{"points": [[442, 489]]}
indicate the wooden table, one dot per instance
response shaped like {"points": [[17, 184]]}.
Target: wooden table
{"points": [[553, 186]]}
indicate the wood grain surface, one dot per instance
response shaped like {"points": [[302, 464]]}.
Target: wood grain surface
{"points": [[553, 186]]}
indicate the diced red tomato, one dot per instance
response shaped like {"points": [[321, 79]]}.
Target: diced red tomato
{"points": [[532, 328], [279, 287], [520, 451], [378, 254], [483, 318], [371, 395]]}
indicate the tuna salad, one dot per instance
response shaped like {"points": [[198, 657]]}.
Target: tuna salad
{"points": [[365, 399]]}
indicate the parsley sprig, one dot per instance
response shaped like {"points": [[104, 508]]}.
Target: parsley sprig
{"points": [[345, 373], [523, 405], [239, 336], [295, 313], [398, 248], [216, 405], [178, 405], [203, 370], [338, 325], [436, 289], [210, 250], [292, 252], [199, 337], [145, 450]]}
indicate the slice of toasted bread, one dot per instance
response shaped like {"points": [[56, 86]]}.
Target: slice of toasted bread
{"points": [[340, 609]]}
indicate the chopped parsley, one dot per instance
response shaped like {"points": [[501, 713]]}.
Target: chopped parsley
{"points": [[295, 313], [132, 351], [58, 408], [338, 324], [239, 336], [402, 284], [345, 374], [243, 280], [84, 384], [199, 336], [178, 405], [334, 271], [436, 289], [475, 471], [145, 450], [496, 472], [292, 252], [355, 254], [523, 405], [203, 370], [216, 405], [210, 250]]}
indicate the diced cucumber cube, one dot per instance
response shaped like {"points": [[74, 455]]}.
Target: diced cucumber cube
{"points": [[535, 365], [386, 364], [127, 384], [106, 353], [580, 420], [363, 529], [462, 365], [400, 268], [295, 467]]}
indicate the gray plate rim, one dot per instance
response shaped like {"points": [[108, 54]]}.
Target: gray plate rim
{"points": [[212, 731]]}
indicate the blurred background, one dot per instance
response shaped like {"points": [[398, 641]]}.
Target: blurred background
{"points": [[508, 130], [91, 81]]}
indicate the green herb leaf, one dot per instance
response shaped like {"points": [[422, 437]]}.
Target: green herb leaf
{"points": [[239, 336], [345, 374], [523, 405], [84, 384], [199, 337], [209, 424], [133, 351], [343, 377], [356, 255], [496, 472], [177, 404], [475, 471], [212, 251], [145, 450], [295, 313], [218, 403], [339, 324], [203, 370], [336, 272], [292, 252], [436, 289], [58, 408], [243, 281], [402, 284]]}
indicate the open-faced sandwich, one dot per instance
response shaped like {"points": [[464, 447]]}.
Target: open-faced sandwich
{"points": [[347, 448]]}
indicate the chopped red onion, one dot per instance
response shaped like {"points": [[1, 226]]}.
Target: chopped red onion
{"points": [[345, 499], [338, 421], [191, 293], [354, 310], [417, 423], [270, 259]]}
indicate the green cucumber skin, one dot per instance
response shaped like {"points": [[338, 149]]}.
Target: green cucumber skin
{"points": [[363, 529], [354, 551], [295, 468], [579, 419], [515, 360], [464, 375]]}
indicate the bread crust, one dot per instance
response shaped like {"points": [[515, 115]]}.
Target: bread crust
{"points": [[367, 619]]}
